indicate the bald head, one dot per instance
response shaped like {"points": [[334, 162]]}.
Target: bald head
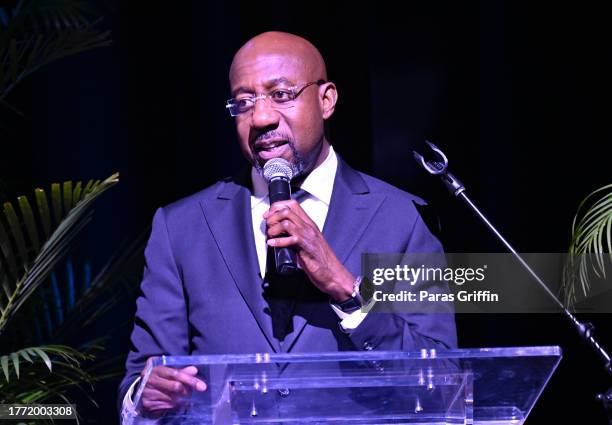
{"points": [[298, 53], [265, 73]]}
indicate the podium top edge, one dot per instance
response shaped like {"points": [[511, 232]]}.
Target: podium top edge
{"points": [[423, 354]]}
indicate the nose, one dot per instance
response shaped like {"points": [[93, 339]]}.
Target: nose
{"points": [[263, 114]]}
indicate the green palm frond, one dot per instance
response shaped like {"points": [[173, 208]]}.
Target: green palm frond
{"points": [[72, 299], [38, 32], [10, 363], [117, 279], [44, 374], [47, 308], [24, 264], [591, 240]]}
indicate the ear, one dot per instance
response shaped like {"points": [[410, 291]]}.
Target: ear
{"points": [[328, 96]]}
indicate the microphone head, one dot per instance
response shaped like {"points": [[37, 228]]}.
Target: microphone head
{"points": [[277, 168]]}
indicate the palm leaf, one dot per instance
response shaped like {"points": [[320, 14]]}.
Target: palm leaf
{"points": [[47, 373], [591, 240], [15, 359], [17, 233], [56, 196], [116, 280], [50, 14], [4, 363], [28, 219], [28, 55], [38, 32], [10, 269], [32, 273], [48, 308], [43, 354]]}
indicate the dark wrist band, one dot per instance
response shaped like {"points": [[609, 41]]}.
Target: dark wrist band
{"points": [[355, 302]]}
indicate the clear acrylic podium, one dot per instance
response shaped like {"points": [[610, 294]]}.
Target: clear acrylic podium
{"points": [[480, 386]]}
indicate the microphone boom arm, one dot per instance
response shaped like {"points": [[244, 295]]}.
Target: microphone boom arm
{"points": [[439, 167]]}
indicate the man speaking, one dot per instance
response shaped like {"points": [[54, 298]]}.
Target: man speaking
{"points": [[211, 283]]}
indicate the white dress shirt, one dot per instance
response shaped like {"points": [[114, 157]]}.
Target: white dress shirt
{"points": [[319, 185]]}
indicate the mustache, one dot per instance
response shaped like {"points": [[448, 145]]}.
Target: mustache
{"points": [[273, 134]]}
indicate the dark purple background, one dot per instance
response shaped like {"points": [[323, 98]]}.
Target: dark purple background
{"points": [[516, 94]]}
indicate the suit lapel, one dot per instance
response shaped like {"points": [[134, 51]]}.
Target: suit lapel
{"points": [[351, 210], [230, 221]]}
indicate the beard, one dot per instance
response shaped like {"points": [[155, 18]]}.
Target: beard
{"points": [[298, 163]]}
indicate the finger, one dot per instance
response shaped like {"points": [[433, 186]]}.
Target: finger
{"points": [[196, 383], [296, 214], [165, 372], [185, 378], [153, 394], [288, 241], [286, 202], [283, 228], [191, 370], [156, 406], [284, 214], [291, 204], [167, 386]]}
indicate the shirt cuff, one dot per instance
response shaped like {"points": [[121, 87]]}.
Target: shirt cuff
{"points": [[350, 321], [129, 414]]}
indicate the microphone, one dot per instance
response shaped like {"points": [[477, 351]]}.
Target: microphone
{"points": [[278, 173]]}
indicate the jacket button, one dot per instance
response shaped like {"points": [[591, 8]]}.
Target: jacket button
{"points": [[284, 392], [367, 346]]}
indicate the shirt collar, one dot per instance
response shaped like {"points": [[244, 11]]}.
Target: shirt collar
{"points": [[319, 183]]}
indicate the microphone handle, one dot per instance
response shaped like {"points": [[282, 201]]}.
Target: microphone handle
{"points": [[284, 258]]}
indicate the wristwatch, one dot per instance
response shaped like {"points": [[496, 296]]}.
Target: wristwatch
{"points": [[355, 302]]}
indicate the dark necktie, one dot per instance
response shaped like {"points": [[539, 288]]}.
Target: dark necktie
{"points": [[298, 194]]}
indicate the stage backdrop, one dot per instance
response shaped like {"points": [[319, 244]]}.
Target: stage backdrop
{"points": [[517, 95]]}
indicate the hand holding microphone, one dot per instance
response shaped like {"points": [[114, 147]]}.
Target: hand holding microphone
{"points": [[295, 237]]}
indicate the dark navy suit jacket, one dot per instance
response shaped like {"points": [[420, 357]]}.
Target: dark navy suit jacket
{"points": [[201, 290]]}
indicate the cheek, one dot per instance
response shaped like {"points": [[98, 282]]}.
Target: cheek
{"points": [[307, 123], [242, 132], [308, 129]]}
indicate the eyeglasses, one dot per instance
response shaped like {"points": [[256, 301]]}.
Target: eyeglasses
{"points": [[281, 98]]}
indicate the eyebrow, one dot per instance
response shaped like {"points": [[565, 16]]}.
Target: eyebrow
{"points": [[268, 84], [277, 81]]}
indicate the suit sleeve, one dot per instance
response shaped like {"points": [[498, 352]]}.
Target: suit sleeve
{"points": [[161, 322], [433, 326]]}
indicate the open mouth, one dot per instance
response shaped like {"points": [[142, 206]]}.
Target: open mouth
{"points": [[269, 146], [270, 149]]}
